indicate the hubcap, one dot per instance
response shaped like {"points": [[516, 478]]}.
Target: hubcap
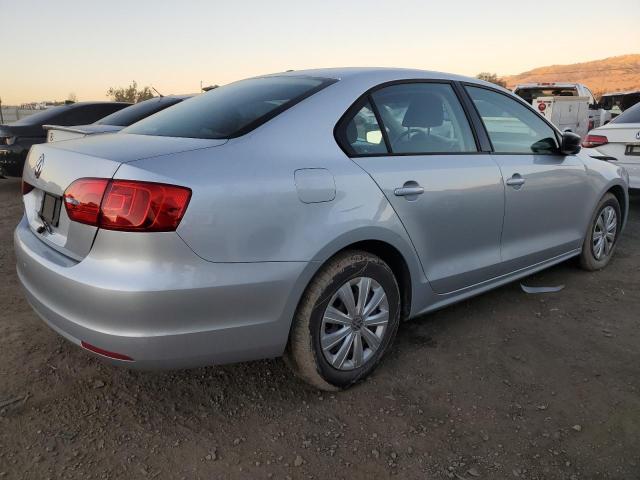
{"points": [[354, 323], [604, 232]]}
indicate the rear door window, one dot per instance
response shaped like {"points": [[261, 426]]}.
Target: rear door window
{"points": [[423, 118], [512, 127]]}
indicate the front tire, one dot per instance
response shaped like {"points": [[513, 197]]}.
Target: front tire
{"points": [[602, 236], [346, 321]]}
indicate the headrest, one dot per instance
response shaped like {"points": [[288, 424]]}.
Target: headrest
{"points": [[425, 110]]}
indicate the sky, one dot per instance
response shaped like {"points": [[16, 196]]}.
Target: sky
{"points": [[51, 49]]}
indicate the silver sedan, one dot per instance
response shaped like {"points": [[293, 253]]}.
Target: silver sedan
{"points": [[304, 214]]}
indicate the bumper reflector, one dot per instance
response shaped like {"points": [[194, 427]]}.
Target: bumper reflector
{"points": [[106, 353]]}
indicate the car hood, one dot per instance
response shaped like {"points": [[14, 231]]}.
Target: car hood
{"points": [[126, 147]]}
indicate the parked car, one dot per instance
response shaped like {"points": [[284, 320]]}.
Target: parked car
{"points": [[116, 121], [619, 141], [268, 217], [569, 106], [17, 137], [618, 102]]}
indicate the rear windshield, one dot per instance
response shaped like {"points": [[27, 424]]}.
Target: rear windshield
{"points": [[232, 110], [631, 115], [530, 94], [43, 116], [134, 113]]}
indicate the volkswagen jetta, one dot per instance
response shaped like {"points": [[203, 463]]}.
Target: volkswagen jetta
{"points": [[304, 214]]}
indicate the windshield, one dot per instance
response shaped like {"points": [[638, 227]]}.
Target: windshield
{"points": [[231, 110], [41, 117], [631, 115], [530, 94], [137, 112]]}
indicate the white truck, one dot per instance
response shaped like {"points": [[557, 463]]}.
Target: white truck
{"points": [[569, 106]]}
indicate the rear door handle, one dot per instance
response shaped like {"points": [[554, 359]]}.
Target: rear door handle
{"points": [[407, 191], [516, 181]]}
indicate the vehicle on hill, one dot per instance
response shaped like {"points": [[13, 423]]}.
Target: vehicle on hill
{"points": [[304, 214]]}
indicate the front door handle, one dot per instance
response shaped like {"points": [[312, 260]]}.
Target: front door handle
{"points": [[516, 181], [408, 191]]}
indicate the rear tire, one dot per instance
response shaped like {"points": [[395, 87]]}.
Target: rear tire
{"points": [[334, 343], [602, 236]]}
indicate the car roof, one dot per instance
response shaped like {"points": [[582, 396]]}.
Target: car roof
{"points": [[343, 73]]}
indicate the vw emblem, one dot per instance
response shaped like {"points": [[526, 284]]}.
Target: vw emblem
{"points": [[638, 135], [39, 165]]}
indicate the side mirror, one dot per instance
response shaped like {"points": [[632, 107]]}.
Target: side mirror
{"points": [[570, 143]]}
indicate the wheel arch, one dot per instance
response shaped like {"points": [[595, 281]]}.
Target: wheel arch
{"points": [[621, 195], [397, 252]]}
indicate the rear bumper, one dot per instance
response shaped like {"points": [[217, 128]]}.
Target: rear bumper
{"points": [[166, 308]]}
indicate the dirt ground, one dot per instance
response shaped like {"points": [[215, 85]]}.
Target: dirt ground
{"points": [[507, 385]]}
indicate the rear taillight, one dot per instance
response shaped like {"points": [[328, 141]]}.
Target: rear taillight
{"points": [[26, 187], [82, 199], [143, 206], [591, 141], [127, 205]]}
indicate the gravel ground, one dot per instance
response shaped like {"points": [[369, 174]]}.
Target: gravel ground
{"points": [[503, 386]]}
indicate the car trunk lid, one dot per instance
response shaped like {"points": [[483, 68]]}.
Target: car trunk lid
{"points": [[51, 168]]}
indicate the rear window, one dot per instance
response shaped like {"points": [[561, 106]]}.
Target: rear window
{"points": [[632, 115], [231, 110], [134, 113], [530, 94]]}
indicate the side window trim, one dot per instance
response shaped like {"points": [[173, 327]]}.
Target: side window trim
{"points": [[383, 128], [477, 125], [556, 132], [340, 127]]}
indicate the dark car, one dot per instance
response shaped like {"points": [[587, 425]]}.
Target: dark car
{"points": [[17, 137], [116, 121]]}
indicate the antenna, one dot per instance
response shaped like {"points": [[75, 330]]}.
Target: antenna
{"points": [[154, 89]]}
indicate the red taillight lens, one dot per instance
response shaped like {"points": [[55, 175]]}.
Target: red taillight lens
{"points": [[26, 187], [143, 206], [591, 141], [127, 205], [82, 199]]}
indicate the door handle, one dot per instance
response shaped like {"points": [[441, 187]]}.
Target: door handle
{"points": [[408, 191], [516, 181]]}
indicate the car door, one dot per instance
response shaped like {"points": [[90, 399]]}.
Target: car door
{"points": [[425, 159], [546, 191]]}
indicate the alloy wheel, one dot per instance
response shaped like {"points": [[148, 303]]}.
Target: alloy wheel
{"points": [[604, 233]]}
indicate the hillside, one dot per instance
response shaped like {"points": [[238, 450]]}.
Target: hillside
{"points": [[607, 75]]}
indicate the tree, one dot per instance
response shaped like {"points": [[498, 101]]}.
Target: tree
{"points": [[491, 77], [130, 94]]}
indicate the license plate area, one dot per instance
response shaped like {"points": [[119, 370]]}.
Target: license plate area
{"points": [[633, 149], [50, 209]]}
